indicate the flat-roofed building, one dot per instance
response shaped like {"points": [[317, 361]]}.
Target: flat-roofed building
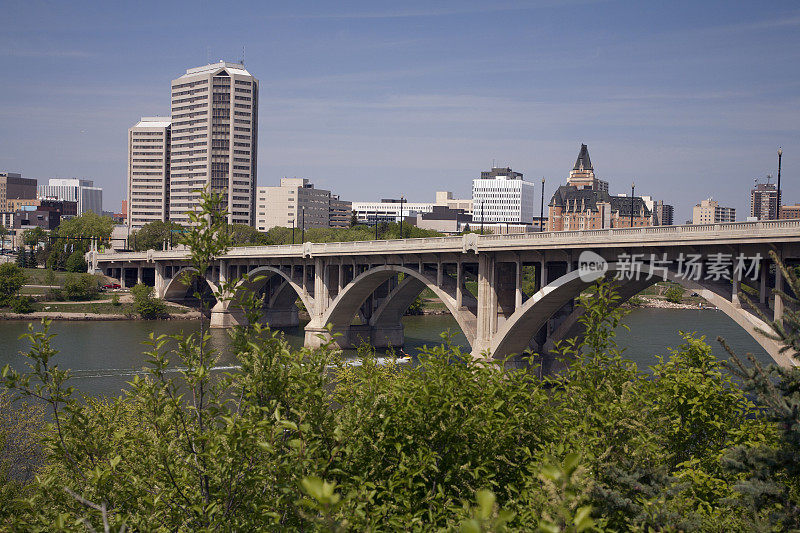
{"points": [[83, 192], [148, 171], [214, 140], [341, 212], [764, 201], [710, 212], [502, 195], [295, 202], [14, 187], [790, 211]]}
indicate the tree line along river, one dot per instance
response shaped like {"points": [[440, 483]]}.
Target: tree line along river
{"points": [[104, 355]]}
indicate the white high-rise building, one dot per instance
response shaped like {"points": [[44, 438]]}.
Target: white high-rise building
{"points": [[214, 140], [501, 195], [88, 197], [148, 171]]}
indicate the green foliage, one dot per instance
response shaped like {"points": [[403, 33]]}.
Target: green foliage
{"points": [[80, 287], [115, 300], [75, 234], [244, 235], [75, 262], [153, 235], [278, 235], [22, 258], [12, 278], [22, 305], [674, 294], [146, 304]]}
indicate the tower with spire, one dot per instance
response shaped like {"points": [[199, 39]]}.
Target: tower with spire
{"points": [[582, 174]]}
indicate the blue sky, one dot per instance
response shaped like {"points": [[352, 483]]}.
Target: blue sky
{"points": [[372, 99]]}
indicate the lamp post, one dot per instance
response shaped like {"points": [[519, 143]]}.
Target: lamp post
{"points": [[304, 225], [541, 210], [483, 202], [293, 220], [401, 216], [633, 188], [780, 154], [376, 226]]}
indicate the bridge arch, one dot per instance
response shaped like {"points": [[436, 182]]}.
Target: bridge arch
{"points": [[347, 303], [177, 290], [285, 296], [514, 335]]}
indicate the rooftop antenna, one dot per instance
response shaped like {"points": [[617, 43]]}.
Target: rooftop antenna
{"points": [[493, 163], [243, 51], [769, 177]]}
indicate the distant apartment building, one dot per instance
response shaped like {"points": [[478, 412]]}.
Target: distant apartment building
{"points": [[502, 195], [14, 187], [65, 208], [148, 171], [341, 212], [663, 214], [585, 203], [790, 211], [214, 140], [764, 201], [710, 212], [295, 202], [82, 192]]}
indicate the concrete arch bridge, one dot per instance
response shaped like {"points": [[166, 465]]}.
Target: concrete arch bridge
{"points": [[362, 289]]}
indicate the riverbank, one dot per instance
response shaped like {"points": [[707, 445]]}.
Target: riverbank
{"points": [[81, 316]]}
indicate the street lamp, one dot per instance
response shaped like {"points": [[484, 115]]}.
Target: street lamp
{"points": [[541, 210], [401, 216], [304, 225], [483, 202], [780, 154], [293, 229], [633, 188]]}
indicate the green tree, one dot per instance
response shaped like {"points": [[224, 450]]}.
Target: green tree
{"points": [[12, 278], [146, 304], [244, 235], [3, 235], [153, 235], [80, 287], [75, 235], [76, 262]]}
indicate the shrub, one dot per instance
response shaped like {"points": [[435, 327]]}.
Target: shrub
{"points": [[78, 287], [146, 305], [12, 278], [674, 295], [55, 295], [76, 262], [22, 305], [115, 300]]}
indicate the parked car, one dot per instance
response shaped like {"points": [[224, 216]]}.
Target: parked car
{"points": [[111, 286]]}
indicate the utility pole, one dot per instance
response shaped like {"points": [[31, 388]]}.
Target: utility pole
{"points": [[780, 154], [401, 216], [633, 188], [541, 210]]}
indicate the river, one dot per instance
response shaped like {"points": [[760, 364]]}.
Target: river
{"points": [[105, 355]]}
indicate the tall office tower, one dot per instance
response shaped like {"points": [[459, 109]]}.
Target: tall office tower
{"points": [[14, 187], [87, 196], [213, 141], [148, 171], [764, 201]]}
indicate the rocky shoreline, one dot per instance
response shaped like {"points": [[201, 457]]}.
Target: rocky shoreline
{"points": [[60, 315]]}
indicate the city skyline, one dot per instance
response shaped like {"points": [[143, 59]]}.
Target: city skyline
{"points": [[690, 101]]}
